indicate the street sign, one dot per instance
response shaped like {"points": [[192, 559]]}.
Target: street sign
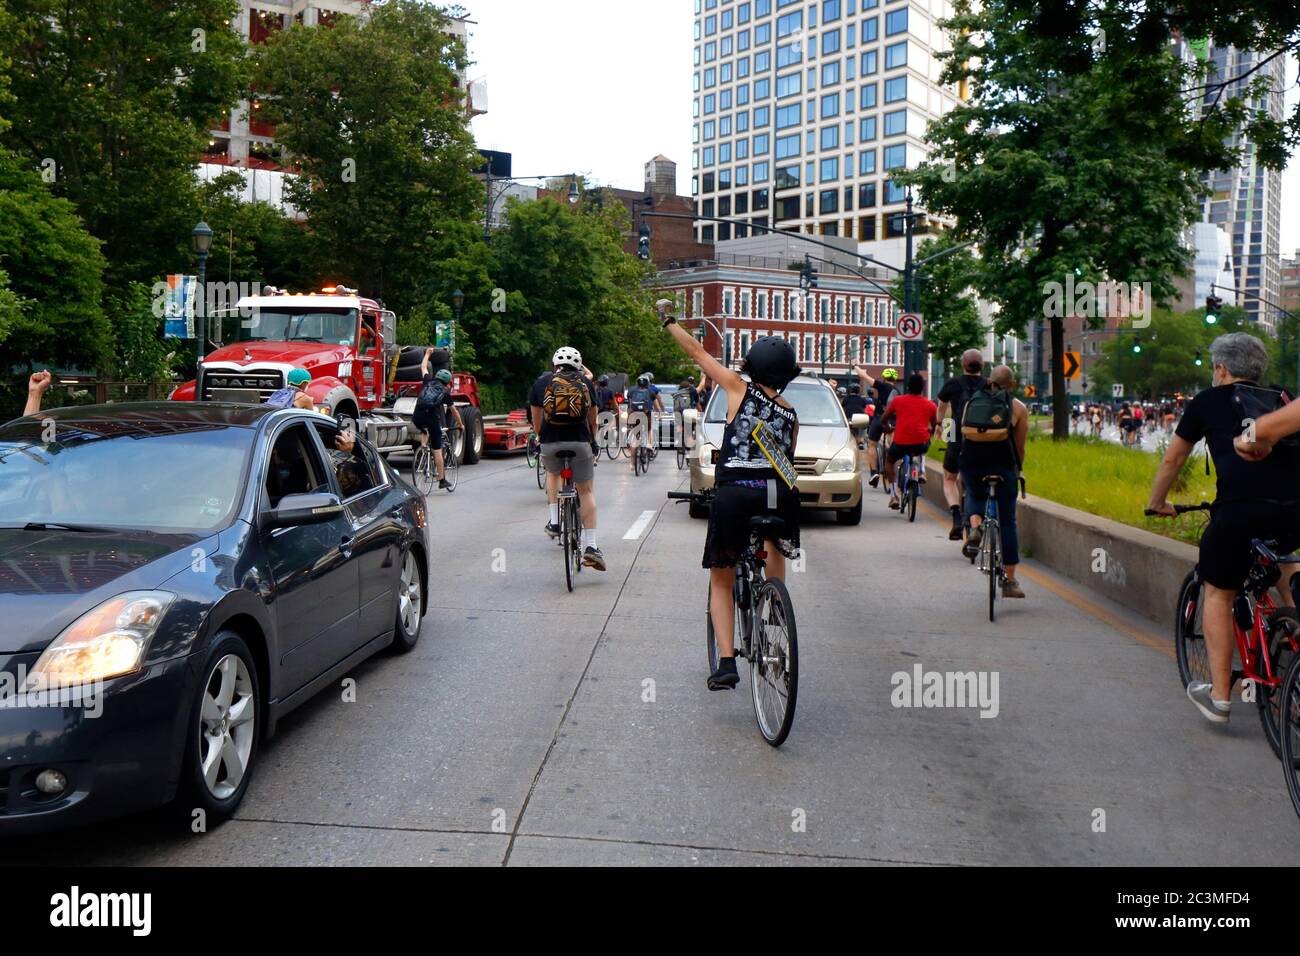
{"points": [[1072, 364], [1117, 390], [1031, 391], [910, 326]]}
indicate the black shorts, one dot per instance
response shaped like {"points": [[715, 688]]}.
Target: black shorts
{"points": [[875, 430], [427, 421], [733, 506], [950, 456], [1225, 545], [897, 451]]}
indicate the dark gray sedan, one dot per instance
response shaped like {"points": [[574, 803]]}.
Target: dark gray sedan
{"points": [[174, 578]]}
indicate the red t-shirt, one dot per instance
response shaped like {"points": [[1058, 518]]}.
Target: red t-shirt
{"points": [[912, 417]]}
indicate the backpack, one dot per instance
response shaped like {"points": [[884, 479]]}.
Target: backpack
{"points": [[281, 397], [432, 394], [566, 400], [987, 416], [639, 399], [959, 410]]}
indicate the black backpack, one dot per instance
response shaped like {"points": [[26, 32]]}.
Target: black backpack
{"points": [[432, 394]]}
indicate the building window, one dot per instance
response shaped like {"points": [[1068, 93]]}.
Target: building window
{"points": [[895, 156], [896, 22], [866, 162], [866, 129], [866, 195], [896, 123], [829, 201], [697, 302], [830, 171], [866, 228], [867, 96], [896, 55], [896, 89], [728, 301], [830, 105], [745, 300], [869, 65]]}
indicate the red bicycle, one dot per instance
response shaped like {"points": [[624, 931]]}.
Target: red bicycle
{"points": [[1267, 636]]}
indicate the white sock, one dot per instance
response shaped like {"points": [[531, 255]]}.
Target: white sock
{"points": [[555, 512], [588, 538]]}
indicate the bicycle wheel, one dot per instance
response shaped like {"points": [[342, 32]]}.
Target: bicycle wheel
{"points": [[638, 461], [422, 474], [531, 451], [710, 638], [1189, 634], [541, 471], [1284, 628], [611, 450], [774, 663], [681, 457], [1290, 707], [911, 501], [567, 536], [450, 468], [992, 546]]}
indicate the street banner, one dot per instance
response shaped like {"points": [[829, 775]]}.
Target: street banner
{"points": [[445, 334], [178, 306]]}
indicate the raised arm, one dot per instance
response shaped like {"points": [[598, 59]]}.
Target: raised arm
{"points": [[866, 380], [424, 363], [725, 378]]}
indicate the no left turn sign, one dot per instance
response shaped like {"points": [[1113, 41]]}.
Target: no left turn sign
{"points": [[910, 326]]}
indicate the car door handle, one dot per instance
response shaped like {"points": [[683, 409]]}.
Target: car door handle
{"points": [[345, 546]]}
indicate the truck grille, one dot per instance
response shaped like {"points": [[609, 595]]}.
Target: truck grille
{"points": [[252, 385]]}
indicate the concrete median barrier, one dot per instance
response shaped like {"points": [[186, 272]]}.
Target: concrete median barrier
{"points": [[1136, 568]]}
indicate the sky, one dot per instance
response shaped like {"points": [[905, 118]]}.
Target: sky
{"points": [[599, 87]]}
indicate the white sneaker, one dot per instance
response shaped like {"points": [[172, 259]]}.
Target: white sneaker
{"points": [[1216, 711]]}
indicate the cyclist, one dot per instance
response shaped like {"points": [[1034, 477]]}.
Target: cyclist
{"points": [[562, 406], [914, 424], [745, 481], [294, 394], [643, 400], [1127, 425], [954, 395], [605, 396], [882, 388], [430, 416], [1253, 499], [856, 404], [1003, 457]]}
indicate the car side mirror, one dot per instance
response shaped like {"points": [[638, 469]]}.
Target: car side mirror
{"points": [[859, 421], [293, 510]]}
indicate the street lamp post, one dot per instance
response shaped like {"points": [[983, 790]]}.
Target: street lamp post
{"points": [[457, 304], [201, 238]]}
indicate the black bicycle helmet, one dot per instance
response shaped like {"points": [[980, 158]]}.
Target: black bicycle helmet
{"points": [[771, 362], [855, 388]]}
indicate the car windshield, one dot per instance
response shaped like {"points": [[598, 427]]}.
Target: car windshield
{"points": [[150, 476], [287, 324], [814, 403]]}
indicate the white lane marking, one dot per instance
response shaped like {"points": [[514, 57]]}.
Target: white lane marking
{"points": [[639, 525]]}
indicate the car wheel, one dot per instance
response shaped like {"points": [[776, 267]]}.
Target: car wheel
{"points": [[410, 605], [221, 742], [851, 516]]}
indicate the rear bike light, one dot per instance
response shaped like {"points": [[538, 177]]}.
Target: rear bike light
{"points": [[566, 474]]}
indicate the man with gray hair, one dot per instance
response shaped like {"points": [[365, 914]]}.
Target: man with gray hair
{"points": [[1253, 499], [954, 395]]}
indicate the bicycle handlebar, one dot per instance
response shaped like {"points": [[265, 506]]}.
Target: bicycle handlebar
{"points": [[1178, 510], [686, 496]]}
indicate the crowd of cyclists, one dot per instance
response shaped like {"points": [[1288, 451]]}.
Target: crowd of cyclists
{"points": [[1132, 420]]}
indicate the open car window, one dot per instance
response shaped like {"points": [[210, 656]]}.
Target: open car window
{"points": [[357, 473], [294, 467]]}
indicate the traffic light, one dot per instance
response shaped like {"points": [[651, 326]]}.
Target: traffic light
{"points": [[807, 276], [1197, 360], [1137, 346], [1212, 306], [643, 244]]}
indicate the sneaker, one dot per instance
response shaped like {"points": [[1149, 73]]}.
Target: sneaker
{"points": [[921, 477], [874, 480], [972, 545], [1011, 589], [1199, 693], [552, 529], [893, 504], [592, 558], [444, 483], [954, 533], [726, 676]]}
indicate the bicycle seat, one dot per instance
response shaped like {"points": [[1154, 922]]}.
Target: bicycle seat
{"points": [[992, 479], [767, 527]]}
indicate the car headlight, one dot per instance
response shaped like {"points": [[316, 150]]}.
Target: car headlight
{"points": [[843, 461], [107, 641]]}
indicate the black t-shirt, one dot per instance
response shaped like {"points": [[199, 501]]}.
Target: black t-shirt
{"points": [[1212, 416], [604, 398], [549, 432], [439, 411], [883, 391], [957, 392], [855, 405]]}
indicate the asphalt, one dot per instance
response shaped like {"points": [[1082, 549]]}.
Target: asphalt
{"points": [[534, 726]]}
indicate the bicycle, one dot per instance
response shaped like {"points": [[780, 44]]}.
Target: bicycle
{"points": [[882, 460], [570, 537], [909, 484], [766, 635], [988, 559], [425, 474], [532, 450], [1267, 636]]}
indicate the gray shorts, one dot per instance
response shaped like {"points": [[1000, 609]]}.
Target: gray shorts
{"points": [[582, 462]]}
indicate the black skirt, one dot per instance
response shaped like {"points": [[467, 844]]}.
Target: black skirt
{"points": [[729, 514]]}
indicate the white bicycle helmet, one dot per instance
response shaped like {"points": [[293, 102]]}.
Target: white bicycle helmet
{"points": [[567, 355]]}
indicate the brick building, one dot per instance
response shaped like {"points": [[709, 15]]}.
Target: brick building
{"points": [[747, 297]]}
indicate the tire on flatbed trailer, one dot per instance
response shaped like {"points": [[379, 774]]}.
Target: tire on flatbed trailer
{"points": [[473, 434]]}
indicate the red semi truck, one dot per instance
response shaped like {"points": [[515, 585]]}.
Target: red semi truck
{"points": [[349, 345]]}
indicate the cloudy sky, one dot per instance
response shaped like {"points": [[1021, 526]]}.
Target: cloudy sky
{"points": [[601, 86]]}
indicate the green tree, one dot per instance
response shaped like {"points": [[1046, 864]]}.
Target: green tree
{"points": [[372, 111], [945, 297], [257, 242], [1078, 111], [114, 103]]}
